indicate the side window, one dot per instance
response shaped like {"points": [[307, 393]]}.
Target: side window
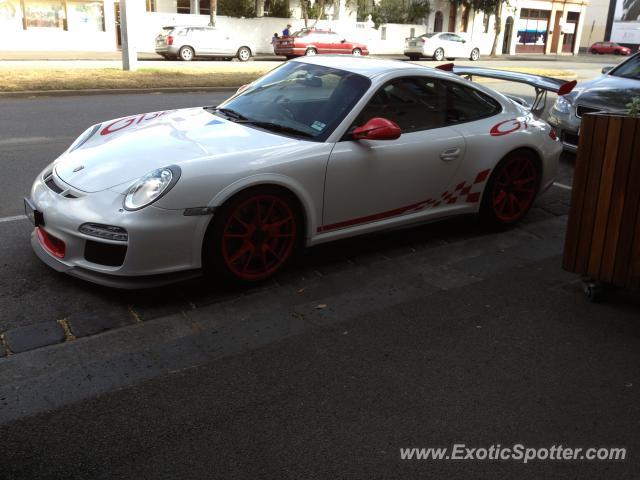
{"points": [[422, 103], [466, 104], [413, 103]]}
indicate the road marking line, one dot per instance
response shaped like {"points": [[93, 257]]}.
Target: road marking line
{"points": [[560, 185], [8, 142], [13, 219]]}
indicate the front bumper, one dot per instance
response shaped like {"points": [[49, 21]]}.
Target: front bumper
{"points": [[160, 241], [567, 127]]}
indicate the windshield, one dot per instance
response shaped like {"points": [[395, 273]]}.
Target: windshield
{"points": [[628, 69], [427, 35], [311, 99]]}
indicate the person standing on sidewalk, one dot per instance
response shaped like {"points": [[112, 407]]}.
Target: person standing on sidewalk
{"points": [[274, 41]]}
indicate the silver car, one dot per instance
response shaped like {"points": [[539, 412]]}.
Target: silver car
{"points": [[611, 91], [188, 42]]}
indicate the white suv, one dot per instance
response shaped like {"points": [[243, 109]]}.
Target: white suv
{"points": [[188, 42]]}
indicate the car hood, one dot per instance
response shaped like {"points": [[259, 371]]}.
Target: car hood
{"points": [[608, 92], [120, 151]]}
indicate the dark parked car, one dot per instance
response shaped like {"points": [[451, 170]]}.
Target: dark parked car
{"points": [[611, 91]]}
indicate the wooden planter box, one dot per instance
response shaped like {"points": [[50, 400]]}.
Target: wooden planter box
{"points": [[603, 232]]}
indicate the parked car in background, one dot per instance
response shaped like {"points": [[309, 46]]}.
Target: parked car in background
{"points": [[189, 42], [611, 91], [609, 47], [313, 42], [440, 45]]}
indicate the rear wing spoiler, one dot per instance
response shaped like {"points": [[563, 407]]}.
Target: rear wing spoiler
{"points": [[540, 83]]}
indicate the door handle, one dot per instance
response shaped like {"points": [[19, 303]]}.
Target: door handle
{"points": [[450, 154]]}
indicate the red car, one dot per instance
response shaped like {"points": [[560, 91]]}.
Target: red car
{"points": [[313, 42], [609, 47]]}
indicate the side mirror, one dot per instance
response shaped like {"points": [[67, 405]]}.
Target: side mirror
{"points": [[343, 40], [464, 41], [606, 69], [377, 129]]}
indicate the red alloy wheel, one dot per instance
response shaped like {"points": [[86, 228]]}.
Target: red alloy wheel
{"points": [[514, 188], [258, 237]]}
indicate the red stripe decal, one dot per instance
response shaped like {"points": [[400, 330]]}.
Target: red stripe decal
{"points": [[371, 218], [482, 176], [473, 197]]}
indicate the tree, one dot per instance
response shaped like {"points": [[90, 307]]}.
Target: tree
{"points": [[400, 11], [313, 11], [237, 8], [278, 8], [491, 7]]}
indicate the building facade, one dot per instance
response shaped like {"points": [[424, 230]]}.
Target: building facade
{"points": [[528, 26]]}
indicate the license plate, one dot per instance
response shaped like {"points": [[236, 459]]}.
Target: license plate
{"points": [[412, 44], [34, 216]]}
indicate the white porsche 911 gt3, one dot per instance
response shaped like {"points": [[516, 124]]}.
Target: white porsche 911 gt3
{"points": [[319, 149]]}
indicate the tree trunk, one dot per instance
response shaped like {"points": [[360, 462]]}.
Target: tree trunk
{"points": [[213, 10], [320, 12], [498, 29], [304, 5]]}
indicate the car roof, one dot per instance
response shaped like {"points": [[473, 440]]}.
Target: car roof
{"points": [[368, 67]]}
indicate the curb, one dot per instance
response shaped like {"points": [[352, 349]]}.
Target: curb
{"points": [[112, 91]]}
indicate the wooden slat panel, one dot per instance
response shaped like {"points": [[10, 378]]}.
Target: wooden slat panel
{"points": [[604, 196], [618, 193], [587, 221], [633, 279], [580, 176], [630, 214]]}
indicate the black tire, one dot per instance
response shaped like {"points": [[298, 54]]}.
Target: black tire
{"points": [[289, 57], [438, 55], [451, 59], [244, 54], [413, 58], [520, 191], [311, 51], [225, 233], [475, 55], [186, 54], [357, 52]]}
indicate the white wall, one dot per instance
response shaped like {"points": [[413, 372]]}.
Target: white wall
{"points": [[259, 31]]}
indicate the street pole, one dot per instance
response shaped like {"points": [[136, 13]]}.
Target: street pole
{"points": [[129, 53]]}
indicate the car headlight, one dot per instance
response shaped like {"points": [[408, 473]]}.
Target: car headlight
{"points": [[562, 105], [151, 187]]}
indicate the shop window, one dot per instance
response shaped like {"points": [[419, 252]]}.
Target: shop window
{"points": [[533, 27], [47, 14], [82, 15]]}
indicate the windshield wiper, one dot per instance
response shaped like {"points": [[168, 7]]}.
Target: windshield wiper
{"points": [[276, 127], [228, 113]]}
